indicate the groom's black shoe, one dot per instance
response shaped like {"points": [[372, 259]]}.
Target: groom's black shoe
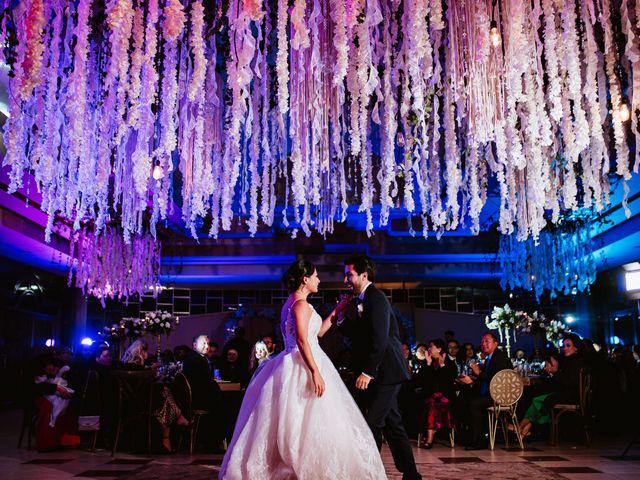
{"points": [[411, 476]]}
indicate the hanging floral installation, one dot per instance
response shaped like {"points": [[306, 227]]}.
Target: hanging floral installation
{"points": [[304, 108], [561, 261], [106, 266]]}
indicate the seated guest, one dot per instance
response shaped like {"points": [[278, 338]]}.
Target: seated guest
{"points": [[136, 356], [232, 369], [205, 392], [453, 351], [407, 398], [437, 379], [213, 357], [270, 343], [241, 346], [495, 360], [60, 399], [167, 356], [64, 355], [406, 353], [167, 412], [181, 352], [468, 354], [259, 355], [102, 358], [64, 430], [563, 387], [418, 361]]}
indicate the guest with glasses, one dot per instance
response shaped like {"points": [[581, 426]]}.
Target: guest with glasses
{"points": [[495, 360]]}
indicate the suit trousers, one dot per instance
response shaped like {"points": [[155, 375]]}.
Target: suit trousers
{"points": [[477, 416], [383, 417]]}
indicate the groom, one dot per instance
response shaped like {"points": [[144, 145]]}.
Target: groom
{"points": [[377, 357]]}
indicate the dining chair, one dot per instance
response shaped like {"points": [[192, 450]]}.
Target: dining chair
{"points": [[89, 411], [506, 388], [135, 402], [581, 409]]}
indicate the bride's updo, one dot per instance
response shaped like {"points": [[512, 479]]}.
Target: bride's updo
{"points": [[299, 269]]}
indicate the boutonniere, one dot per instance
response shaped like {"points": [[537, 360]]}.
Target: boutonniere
{"points": [[360, 309]]}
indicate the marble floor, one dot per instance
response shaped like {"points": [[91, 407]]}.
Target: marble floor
{"points": [[539, 461]]}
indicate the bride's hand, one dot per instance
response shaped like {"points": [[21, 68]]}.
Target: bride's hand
{"points": [[318, 383], [342, 304]]}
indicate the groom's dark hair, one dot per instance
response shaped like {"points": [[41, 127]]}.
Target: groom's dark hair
{"points": [[362, 263]]}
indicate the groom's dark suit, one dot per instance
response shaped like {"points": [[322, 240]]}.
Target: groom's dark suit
{"points": [[377, 352]]}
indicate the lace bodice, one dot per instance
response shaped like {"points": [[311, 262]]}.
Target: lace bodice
{"points": [[289, 332]]}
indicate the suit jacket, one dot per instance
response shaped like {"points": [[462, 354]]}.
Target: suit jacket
{"points": [[204, 389], [375, 339], [499, 361]]}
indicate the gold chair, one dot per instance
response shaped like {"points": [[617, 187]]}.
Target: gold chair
{"points": [[506, 389], [580, 409], [91, 397]]}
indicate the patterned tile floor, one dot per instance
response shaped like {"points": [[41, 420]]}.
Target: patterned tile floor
{"points": [[539, 461]]}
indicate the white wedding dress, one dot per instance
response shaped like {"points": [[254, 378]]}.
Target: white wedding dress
{"points": [[285, 431]]}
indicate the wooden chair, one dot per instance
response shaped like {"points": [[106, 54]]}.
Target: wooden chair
{"points": [[580, 409], [89, 411], [182, 394], [135, 402], [506, 389], [28, 424]]}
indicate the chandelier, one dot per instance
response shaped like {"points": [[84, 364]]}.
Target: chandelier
{"points": [[561, 261], [106, 266], [265, 109]]}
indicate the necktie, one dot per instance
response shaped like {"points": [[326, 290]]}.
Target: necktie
{"points": [[484, 388]]}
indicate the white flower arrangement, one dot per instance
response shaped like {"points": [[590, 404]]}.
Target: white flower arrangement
{"points": [[159, 322]]}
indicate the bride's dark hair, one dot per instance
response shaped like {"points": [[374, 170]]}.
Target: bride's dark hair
{"points": [[299, 269]]}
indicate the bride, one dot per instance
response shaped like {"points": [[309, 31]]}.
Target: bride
{"points": [[298, 420]]}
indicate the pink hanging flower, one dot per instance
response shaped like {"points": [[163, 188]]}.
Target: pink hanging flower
{"points": [[300, 38], [32, 64], [174, 20], [253, 8]]}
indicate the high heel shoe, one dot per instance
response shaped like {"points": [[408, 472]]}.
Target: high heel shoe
{"points": [[166, 449], [183, 421]]}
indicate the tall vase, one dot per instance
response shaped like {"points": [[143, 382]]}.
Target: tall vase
{"points": [[508, 343], [158, 340]]}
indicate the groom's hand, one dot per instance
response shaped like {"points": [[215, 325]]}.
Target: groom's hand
{"points": [[362, 382]]}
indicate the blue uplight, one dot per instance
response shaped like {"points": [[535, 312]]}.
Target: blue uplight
{"points": [[86, 341]]}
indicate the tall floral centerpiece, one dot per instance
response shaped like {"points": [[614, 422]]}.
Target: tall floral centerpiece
{"points": [[506, 321], [158, 323]]}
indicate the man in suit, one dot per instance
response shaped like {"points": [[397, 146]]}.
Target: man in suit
{"points": [[378, 362], [495, 361], [205, 392]]}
